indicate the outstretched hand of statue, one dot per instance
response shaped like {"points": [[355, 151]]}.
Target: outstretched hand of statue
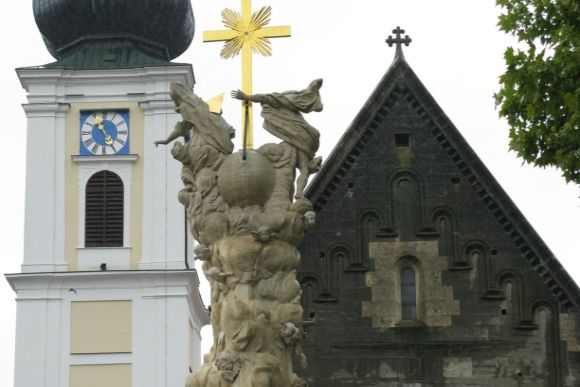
{"points": [[181, 129], [238, 94]]}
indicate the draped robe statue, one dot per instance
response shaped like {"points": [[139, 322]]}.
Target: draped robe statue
{"points": [[248, 222], [282, 113]]}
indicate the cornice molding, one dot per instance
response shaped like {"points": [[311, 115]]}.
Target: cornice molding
{"points": [[42, 109], [131, 158]]}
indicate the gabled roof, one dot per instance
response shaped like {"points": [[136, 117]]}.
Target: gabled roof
{"points": [[401, 82]]}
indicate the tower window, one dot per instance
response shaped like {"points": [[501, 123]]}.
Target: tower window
{"points": [[104, 210], [402, 140], [408, 294]]}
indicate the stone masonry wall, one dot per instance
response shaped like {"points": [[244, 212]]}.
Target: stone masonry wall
{"points": [[404, 191], [436, 303]]}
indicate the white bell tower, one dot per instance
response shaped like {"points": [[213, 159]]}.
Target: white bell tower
{"points": [[105, 296]]}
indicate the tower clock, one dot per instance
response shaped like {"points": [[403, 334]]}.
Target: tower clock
{"points": [[104, 132]]}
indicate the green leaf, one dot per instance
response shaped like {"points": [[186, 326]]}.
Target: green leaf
{"points": [[539, 93], [570, 102]]}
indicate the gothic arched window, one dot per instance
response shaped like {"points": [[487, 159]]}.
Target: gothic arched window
{"points": [[104, 210], [408, 294]]}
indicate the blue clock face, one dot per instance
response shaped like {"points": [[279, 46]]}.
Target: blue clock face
{"points": [[104, 132]]}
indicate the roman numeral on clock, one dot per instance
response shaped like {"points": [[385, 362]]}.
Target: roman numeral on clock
{"points": [[88, 142], [122, 132], [95, 148], [120, 141]]}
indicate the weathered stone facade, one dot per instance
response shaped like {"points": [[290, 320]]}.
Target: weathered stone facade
{"points": [[435, 301], [404, 190]]}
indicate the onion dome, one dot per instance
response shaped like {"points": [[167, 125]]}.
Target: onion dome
{"points": [[114, 33]]}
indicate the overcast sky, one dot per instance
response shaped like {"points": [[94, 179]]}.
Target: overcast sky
{"points": [[456, 52]]}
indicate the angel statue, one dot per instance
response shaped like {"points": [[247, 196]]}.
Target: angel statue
{"points": [[282, 114]]}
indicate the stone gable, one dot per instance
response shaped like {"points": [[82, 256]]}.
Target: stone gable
{"points": [[403, 189]]}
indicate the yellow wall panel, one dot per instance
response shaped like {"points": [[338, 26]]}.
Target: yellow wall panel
{"points": [[136, 223], [101, 326], [100, 375]]}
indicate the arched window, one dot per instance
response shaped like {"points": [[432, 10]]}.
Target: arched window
{"points": [[408, 294], [104, 210]]}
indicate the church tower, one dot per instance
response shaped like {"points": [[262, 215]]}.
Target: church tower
{"points": [[105, 296]]}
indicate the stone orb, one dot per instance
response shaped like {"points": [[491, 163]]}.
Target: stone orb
{"points": [[246, 182]]}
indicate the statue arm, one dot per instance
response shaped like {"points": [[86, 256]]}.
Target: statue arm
{"points": [[181, 129], [259, 98]]}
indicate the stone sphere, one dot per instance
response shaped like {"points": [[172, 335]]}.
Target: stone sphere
{"points": [[246, 182]]}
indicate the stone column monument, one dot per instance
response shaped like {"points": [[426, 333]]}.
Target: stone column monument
{"points": [[248, 216]]}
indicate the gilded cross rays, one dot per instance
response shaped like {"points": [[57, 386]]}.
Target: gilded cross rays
{"points": [[247, 33]]}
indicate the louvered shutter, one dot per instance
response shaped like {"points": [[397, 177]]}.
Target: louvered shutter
{"points": [[104, 210]]}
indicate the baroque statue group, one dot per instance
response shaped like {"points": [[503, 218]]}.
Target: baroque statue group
{"points": [[248, 213]]}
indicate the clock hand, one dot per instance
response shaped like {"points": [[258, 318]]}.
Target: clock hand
{"points": [[108, 139], [99, 123]]}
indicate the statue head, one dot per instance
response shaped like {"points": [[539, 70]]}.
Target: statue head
{"points": [[314, 90], [317, 83], [309, 218], [264, 234], [202, 252], [178, 93]]}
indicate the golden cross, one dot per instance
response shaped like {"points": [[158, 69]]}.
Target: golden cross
{"points": [[246, 33]]}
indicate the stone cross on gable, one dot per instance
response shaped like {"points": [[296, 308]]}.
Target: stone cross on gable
{"points": [[398, 40]]}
